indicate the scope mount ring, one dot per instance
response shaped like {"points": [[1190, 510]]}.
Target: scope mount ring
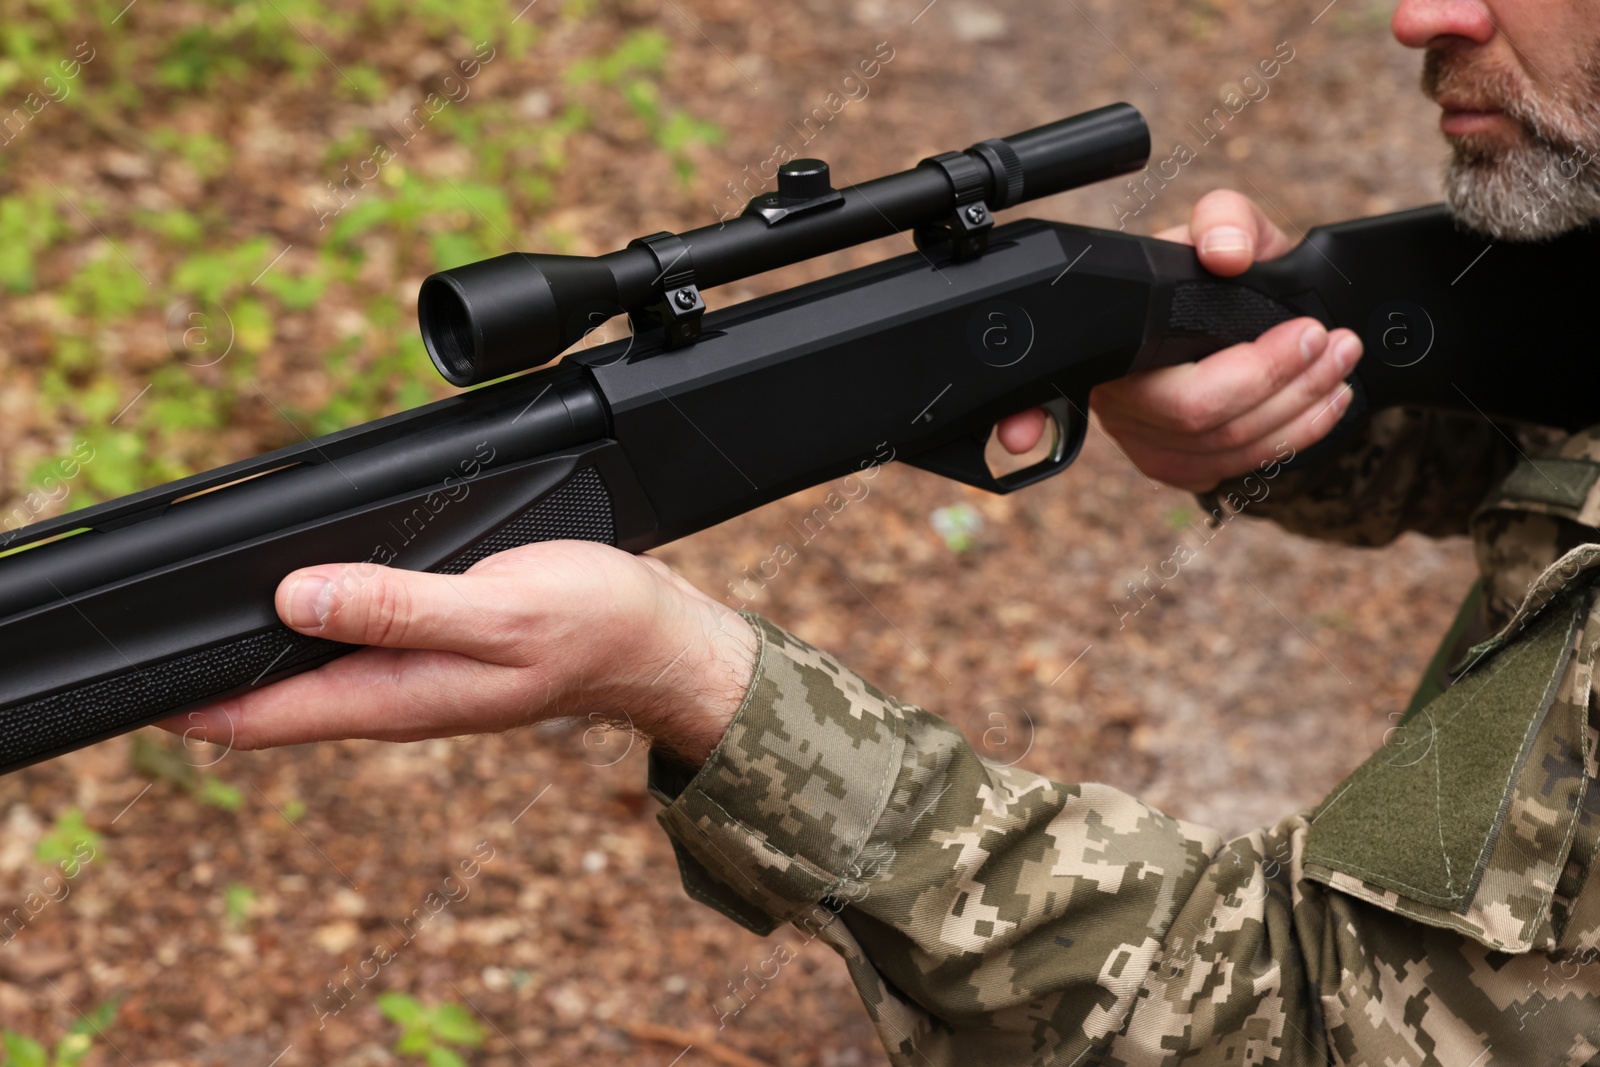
{"points": [[677, 307], [964, 233]]}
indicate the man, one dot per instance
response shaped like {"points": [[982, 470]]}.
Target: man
{"points": [[1436, 909]]}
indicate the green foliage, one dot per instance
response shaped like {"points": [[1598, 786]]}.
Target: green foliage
{"points": [[62, 841], [362, 81], [165, 762], [214, 275], [163, 88], [428, 1031], [297, 292], [465, 21], [176, 227], [237, 901], [199, 57], [29, 225], [216, 793], [208, 155], [118, 462], [633, 69], [461, 220], [641, 52], [106, 288], [958, 525], [1179, 517], [70, 1050]]}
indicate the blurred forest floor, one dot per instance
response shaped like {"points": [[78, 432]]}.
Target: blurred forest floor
{"points": [[187, 165]]}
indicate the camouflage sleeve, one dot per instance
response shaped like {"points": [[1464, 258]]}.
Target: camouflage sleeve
{"points": [[986, 914], [1401, 470]]}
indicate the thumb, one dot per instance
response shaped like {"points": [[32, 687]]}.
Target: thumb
{"points": [[1231, 232], [367, 604]]}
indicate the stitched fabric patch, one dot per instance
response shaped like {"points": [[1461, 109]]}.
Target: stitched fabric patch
{"points": [[1419, 816], [1562, 482]]}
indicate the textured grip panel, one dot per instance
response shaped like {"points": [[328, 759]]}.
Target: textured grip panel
{"points": [[1229, 314], [75, 717], [578, 509]]}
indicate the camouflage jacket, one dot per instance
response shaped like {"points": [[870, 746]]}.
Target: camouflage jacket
{"points": [[988, 915]]}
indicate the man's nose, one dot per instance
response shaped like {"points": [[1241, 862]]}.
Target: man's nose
{"points": [[1417, 23]]}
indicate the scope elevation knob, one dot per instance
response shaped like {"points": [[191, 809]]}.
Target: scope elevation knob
{"points": [[803, 179]]}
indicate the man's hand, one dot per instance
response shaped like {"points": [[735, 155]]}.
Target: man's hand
{"points": [[562, 628], [1196, 424]]}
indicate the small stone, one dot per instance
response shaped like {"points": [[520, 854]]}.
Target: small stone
{"points": [[534, 104], [336, 938], [349, 903], [124, 165], [977, 25]]}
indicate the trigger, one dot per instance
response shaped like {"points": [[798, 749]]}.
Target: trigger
{"points": [[963, 459]]}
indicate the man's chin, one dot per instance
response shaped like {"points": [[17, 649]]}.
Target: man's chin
{"points": [[1487, 203], [1492, 146]]}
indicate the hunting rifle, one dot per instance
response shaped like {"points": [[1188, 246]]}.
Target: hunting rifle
{"points": [[140, 607]]}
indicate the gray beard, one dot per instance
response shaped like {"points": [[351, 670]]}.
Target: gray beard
{"points": [[1528, 193], [1544, 185]]}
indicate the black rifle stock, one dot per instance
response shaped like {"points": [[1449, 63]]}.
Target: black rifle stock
{"points": [[140, 607]]}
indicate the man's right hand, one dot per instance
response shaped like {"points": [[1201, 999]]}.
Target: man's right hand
{"points": [[1195, 424]]}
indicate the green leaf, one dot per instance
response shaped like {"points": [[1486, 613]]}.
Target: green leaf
{"points": [[456, 1024], [236, 901], [71, 1050], [296, 293], [402, 1008], [439, 1056], [158, 762], [216, 793], [368, 213], [252, 325], [64, 838], [179, 227], [106, 288], [97, 1019], [369, 84], [118, 463], [454, 249], [413, 1042], [22, 1051], [213, 275]]}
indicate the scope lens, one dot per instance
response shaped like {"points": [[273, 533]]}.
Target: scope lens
{"points": [[447, 328]]}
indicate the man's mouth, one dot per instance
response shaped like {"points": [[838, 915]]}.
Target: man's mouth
{"points": [[1461, 118]]}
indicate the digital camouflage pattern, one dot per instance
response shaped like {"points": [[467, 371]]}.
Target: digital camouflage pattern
{"points": [[991, 916]]}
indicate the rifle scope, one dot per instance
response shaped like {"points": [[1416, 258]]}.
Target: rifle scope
{"points": [[520, 310]]}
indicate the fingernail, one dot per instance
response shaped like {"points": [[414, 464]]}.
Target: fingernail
{"points": [[309, 601], [1225, 239], [1313, 339], [1346, 352]]}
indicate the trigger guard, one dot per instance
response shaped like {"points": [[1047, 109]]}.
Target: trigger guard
{"points": [[962, 460], [1071, 425]]}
